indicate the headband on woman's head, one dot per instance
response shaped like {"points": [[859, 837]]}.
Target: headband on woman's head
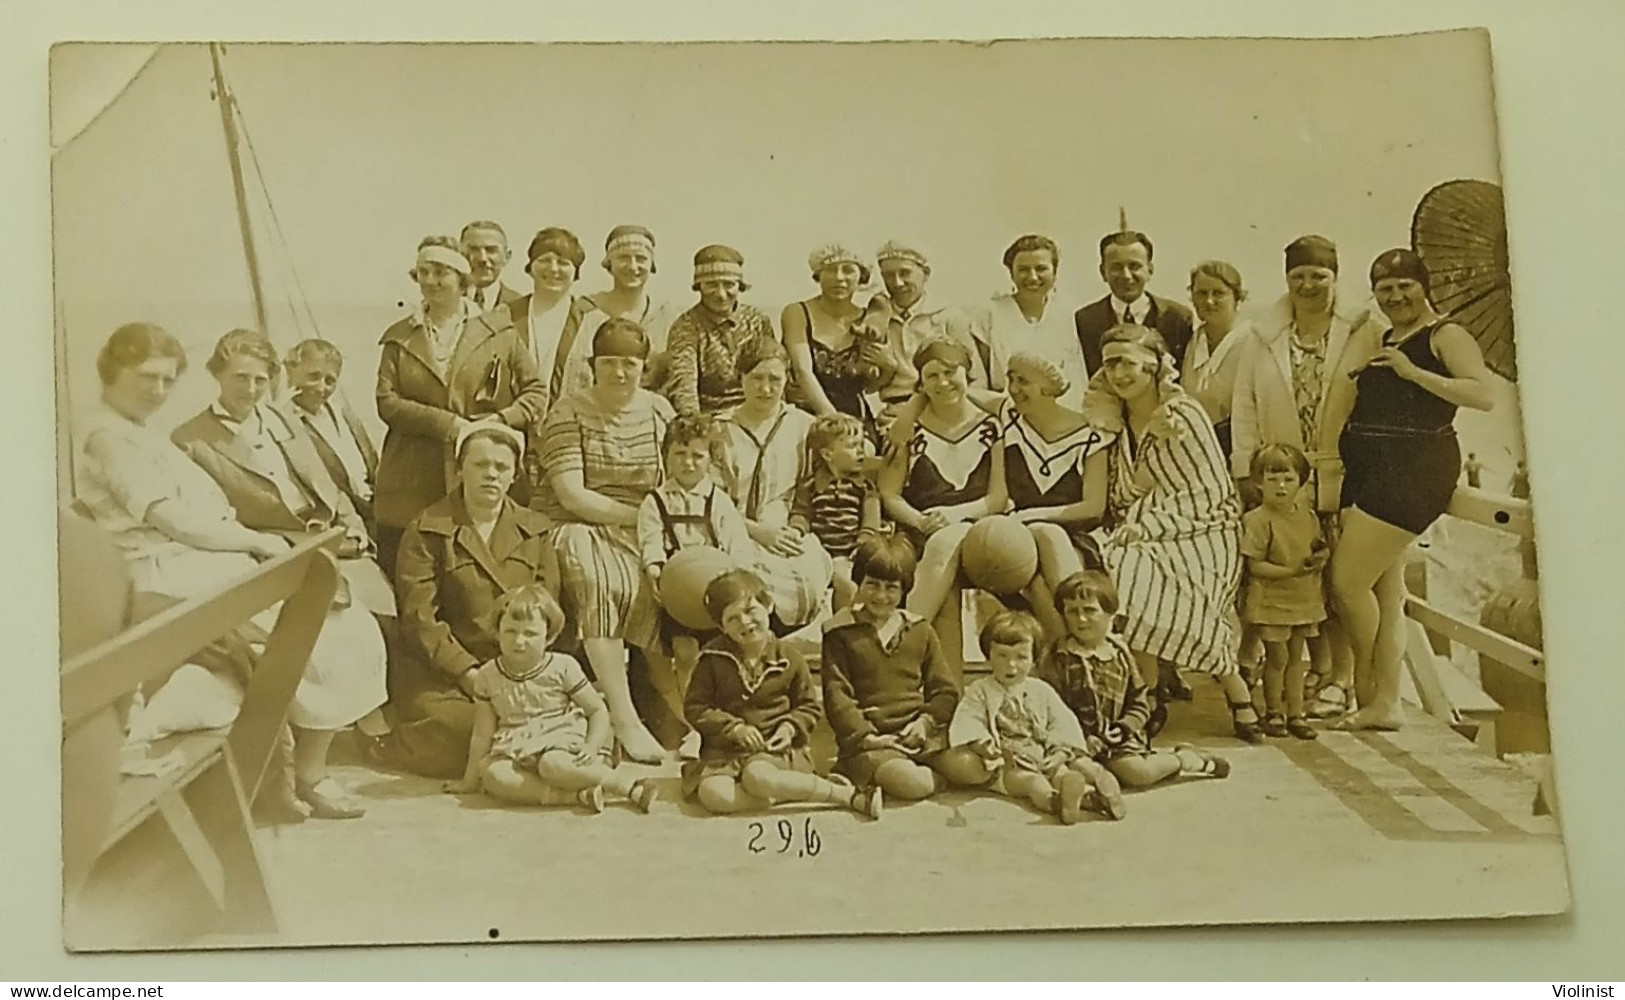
{"points": [[943, 349], [445, 256], [1399, 263], [830, 255], [491, 427], [629, 238]]}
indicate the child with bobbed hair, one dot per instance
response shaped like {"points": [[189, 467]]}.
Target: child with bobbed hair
{"points": [[754, 706], [1025, 737], [888, 689], [1095, 674], [541, 730]]}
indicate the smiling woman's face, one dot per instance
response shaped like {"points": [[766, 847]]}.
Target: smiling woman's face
{"points": [[1402, 300], [1128, 369], [1033, 272], [630, 267], [942, 382]]}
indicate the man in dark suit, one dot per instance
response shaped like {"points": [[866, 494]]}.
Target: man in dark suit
{"points": [[1126, 266], [485, 244]]}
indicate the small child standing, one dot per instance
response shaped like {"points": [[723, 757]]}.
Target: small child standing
{"points": [[835, 500], [1026, 738], [888, 691], [1094, 672], [1285, 599], [541, 730], [754, 706]]}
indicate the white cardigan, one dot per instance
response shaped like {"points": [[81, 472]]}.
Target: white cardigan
{"points": [[1263, 410]]}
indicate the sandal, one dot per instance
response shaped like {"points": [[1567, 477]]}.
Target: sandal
{"points": [[1331, 702], [1212, 764], [592, 798], [1274, 724], [643, 795], [1109, 796], [1299, 726], [868, 802], [1246, 732], [326, 800]]}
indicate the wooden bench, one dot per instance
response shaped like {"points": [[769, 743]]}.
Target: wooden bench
{"points": [[179, 858]]}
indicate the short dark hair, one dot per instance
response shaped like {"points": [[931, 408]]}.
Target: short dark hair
{"points": [[1028, 244], [732, 587], [559, 241], [688, 427], [1279, 456], [1127, 238], [1012, 628], [758, 349], [532, 602], [624, 333], [135, 344], [944, 349], [1086, 584], [885, 557], [504, 436]]}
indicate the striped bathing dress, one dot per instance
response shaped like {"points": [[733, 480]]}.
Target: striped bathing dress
{"points": [[1177, 581]]}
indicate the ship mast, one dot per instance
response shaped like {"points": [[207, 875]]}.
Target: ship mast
{"points": [[228, 108]]}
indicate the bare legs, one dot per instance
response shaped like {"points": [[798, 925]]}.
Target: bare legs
{"points": [[761, 783], [608, 660], [937, 572], [1368, 586], [560, 781]]}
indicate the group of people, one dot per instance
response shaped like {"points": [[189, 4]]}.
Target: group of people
{"points": [[511, 550]]}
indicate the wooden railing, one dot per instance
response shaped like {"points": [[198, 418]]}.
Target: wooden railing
{"points": [[1444, 691], [177, 857]]}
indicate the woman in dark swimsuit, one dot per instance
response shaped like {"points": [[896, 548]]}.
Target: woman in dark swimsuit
{"points": [[949, 473], [834, 364], [1401, 465]]}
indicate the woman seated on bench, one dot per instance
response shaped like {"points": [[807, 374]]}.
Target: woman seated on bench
{"points": [[181, 538]]}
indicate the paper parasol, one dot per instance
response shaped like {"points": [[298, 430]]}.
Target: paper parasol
{"points": [[1460, 232]]}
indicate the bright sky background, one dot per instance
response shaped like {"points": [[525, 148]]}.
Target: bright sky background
{"points": [[1216, 148]]}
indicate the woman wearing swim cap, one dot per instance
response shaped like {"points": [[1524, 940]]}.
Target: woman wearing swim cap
{"points": [[1401, 464]]}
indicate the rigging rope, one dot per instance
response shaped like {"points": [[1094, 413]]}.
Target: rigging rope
{"points": [[276, 222]]}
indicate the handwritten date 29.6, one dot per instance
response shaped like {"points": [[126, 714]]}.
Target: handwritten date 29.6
{"points": [[783, 835]]}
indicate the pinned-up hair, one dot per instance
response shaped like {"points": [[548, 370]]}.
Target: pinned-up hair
{"points": [[1031, 243], [1223, 272], [312, 351], [243, 343], [135, 344]]}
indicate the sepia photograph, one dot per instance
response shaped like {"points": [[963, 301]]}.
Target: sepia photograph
{"points": [[586, 492]]}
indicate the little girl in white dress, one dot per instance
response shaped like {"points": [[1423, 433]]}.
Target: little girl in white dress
{"points": [[541, 730]]}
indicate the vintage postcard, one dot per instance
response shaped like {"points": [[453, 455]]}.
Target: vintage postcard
{"points": [[569, 492]]}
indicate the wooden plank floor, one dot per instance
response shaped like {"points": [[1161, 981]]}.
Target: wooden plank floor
{"points": [[1416, 824]]}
